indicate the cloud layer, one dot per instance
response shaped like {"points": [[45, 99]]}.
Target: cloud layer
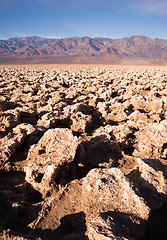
{"points": [[158, 7]]}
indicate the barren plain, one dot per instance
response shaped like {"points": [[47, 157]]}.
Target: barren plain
{"points": [[83, 152]]}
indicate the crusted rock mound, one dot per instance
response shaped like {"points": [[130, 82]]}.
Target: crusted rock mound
{"points": [[83, 153], [55, 149]]}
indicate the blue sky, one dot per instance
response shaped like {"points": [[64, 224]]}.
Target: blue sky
{"points": [[93, 18]]}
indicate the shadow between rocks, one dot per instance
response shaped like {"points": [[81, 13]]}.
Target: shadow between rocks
{"points": [[19, 202], [72, 227], [157, 165], [146, 190], [99, 152], [156, 228], [123, 224], [21, 152]]}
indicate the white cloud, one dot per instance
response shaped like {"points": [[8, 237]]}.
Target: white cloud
{"points": [[2, 38], [54, 37], [158, 7]]}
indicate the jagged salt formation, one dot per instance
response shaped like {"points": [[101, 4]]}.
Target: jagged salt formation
{"points": [[83, 152]]}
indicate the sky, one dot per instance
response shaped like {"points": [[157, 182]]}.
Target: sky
{"points": [[93, 18]]}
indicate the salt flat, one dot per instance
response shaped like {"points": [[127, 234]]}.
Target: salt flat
{"points": [[83, 152]]}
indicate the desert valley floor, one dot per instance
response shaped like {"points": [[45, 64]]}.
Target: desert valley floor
{"points": [[83, 152]]}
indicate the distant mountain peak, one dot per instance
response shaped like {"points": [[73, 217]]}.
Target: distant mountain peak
{"points": [[134, 47]]}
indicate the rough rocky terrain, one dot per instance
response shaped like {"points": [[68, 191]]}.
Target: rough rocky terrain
{"points": [[83, 153]]}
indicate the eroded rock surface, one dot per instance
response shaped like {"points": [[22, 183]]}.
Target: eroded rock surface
{"points": [[108, 190], [55, 149], [83, 153]]}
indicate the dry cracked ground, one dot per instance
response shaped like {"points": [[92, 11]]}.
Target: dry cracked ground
{"points": [[83, 153]]}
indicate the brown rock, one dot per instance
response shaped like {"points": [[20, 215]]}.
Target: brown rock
{"points": [[137, 116], [109, 190], [151, 184], [101, 151], [155, 106], [81, 122], [117, 116], [116, 226], [54, 119], [151, 140], [9, 119], [117, 113], [56, 148], [15, 140]]}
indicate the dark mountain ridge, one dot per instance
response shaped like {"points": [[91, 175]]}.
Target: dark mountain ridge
{"points": [[82, 49]]}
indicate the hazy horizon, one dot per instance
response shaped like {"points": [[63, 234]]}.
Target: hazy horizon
{"points": [[52, 37]]}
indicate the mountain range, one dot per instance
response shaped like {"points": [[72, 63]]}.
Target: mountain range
{"points": [[36, 49]]}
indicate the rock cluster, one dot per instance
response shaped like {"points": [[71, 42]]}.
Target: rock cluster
{"points": [[83, 152]]}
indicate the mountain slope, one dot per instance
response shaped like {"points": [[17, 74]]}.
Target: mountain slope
{"points": [[135, 47]]}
